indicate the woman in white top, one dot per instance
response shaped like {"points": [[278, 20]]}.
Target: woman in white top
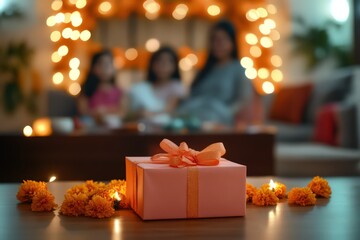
{"points": [[162, 91]]}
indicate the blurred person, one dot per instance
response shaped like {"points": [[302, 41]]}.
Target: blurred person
{"points": [[220, 90], [162, 90], [100, 98]]}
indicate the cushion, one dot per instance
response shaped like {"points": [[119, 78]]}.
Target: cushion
{"points": [[326, 131], [327, 91], [286, 132], [289, 104]]}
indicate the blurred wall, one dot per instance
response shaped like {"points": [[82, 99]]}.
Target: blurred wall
{"points": [[34, 30]]}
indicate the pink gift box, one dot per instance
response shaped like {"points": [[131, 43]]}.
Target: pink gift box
{"points": [[158, 191]]}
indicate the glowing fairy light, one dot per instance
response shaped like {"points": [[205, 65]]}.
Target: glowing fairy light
{"points": [[27, 131]]}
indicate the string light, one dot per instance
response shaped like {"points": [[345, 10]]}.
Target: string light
{"points": [[261, 12], [76, 19], [251, 73], [85, 35], [50, 21], [58, 78], [193, 58], [59, 18], [277, 75], [67, 17], [276, 61], [66, 33], [255, 51], [104, 7], [266, 42], [275, 35], [27, 131], [55, 36], [55, 57], [264, 29], [263, 73], [213, 10], [63, 50], [152, 45], [252, 15], [131, 54], [56, 5], [75, 35], [247, 62], [74, 88], [74, 63], [271, 9], [151, 6], [74, 74], [269, 23], [251, 39], [268, 87], [81, 4], [185, 64], [180, 11]]}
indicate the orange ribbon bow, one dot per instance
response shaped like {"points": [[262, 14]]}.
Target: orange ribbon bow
{"points": [[183, 156]]}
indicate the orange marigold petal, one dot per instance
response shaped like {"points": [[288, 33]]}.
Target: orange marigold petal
{"points": [[28, 189], [43, 201], [264, 197], [99, 207], [320, 187], [301, 196]]}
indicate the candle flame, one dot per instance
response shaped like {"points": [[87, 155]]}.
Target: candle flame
{"points": [[272, 185], [53, 178], [116, 196]]}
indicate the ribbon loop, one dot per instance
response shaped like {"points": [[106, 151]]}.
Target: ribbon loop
{"points": [[183, 156]]}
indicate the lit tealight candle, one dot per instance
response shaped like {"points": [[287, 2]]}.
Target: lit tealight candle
{"points": [[278, 188], [117, 201]]}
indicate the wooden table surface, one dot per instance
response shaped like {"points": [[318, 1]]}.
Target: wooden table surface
{"points": [[335, 218]]}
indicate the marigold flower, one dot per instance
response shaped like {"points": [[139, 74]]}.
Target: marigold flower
{"points": [[250, 190], [94, 187], [320, 187], [118, 185], [280, 189], [99, 207], [43, 201], [74, 204], [28, 190], [301, 196], [264, 197]]}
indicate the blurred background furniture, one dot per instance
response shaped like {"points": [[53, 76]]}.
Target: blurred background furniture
{"points": [[102, 156], [298, 151]]}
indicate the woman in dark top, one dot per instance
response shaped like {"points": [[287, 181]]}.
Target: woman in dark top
{"points": [[220, 89]]}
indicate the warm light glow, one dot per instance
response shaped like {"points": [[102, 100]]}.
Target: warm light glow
{"points": [[262, 12], [247, 62], [67, 17], [55, 36], [104, 7], [60, 17], [251, 73], [55, 57], [151, 6], [152, 45], [275, 35], [74, 89], [81, 4], [27, 131], [255, 51], [340, 10], [252, 15], [75, 35], [185, 64], [271, 9], [213, 10], [277, 75], [193, 58], [131, 54], [58, 78], [85, 35], [74, 74], [116, 196], [42, 127], [76, 19], [263, 73], [119, 62], [272, 185], [180, 11], [268, 87], [266, 42], [270, 23], [251, 39], [52, 179], [63, 50], [72, 1], [74, 63], [66, 33], [151, 16], [50, 21], [264, 29], [276, 61], [56, 5]]}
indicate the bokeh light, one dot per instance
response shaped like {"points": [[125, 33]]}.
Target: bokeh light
{"points": [[58, 78], [277, 75], [74, 74], [55, 36], [74, 63], [180, 11], [131, 54], [27, 131], [74, 88], [246, 62], [276, 61], [263, 73], [251, 39], [104, 7], [268, 87], [255, 51], [251, 73], [152, 45], [213, 10], [85, 35]]}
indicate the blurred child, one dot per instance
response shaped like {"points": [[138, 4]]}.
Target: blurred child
{"points": [[100, 97], [162, 90]]}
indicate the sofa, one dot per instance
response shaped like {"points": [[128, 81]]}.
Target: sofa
{"points": [[298, 152]]}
